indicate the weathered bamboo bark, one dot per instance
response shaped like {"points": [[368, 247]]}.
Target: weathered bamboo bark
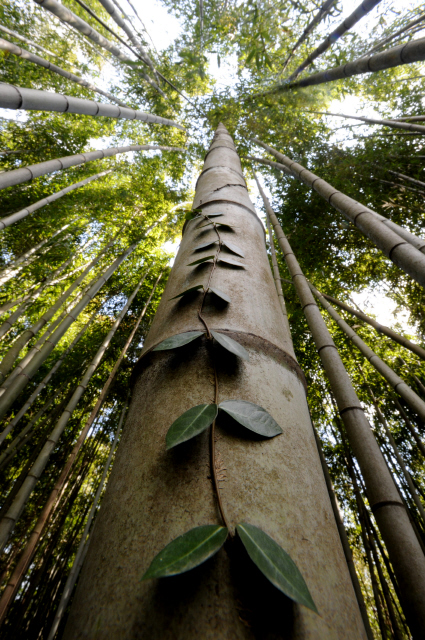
{"points": [[10, 518], [394, 124], [12, 97], [362, 10], [162, 495], [403, 546], [380, 328], [17, 176], [25, 375], [406, 27], [399, 386], [30, 42], [400, 251], [41, 62], [84, 543], [320, 15], [413, 51], [416, 242]]}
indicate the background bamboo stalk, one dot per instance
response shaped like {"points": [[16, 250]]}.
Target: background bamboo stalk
{"points": [[10, 518], [402, 253], [404, 177], [31, 57], [394, 124], [30, 42], [17, 176], [406, 27], [402, 544]]}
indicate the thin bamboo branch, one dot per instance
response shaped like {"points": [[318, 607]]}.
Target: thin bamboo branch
{"points": [[394, 124], [17, 176], [401, 175], [402, 252], [30, 42], [406, 27]]}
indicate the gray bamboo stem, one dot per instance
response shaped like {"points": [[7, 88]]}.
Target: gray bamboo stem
{"points": [[23, 213], [394, 124], [415, 241], [41, 62], [409, 425], [30, 42], [401, 175], [406, 27], [362, 10], [399, 386], [399, 251], [12, 97], [10, 518], [83, 546], [391, 516], [17, 176]]}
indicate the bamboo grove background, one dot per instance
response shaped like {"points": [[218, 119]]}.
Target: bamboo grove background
{"points": [[143, 196]]}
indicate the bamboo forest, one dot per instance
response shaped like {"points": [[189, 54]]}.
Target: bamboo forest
{"points": [[212, 331]]}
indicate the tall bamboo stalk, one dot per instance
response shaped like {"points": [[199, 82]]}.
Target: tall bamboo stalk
{"points": [[394, 124], [380, 328], [404, 177], [406, 27], [362, 10], [12, 97], [403, 547], [400, 251], [413, 51], [24, 377], [30, 42], [17, 176], [41, 62], [416, 242], [410, 427], [9, 520], [83, 546]]}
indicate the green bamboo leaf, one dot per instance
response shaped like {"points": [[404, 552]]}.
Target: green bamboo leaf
{"points": [[233, 263], [234, 248], [201, 260], [187, 551], [190, 424], [252, 417], [231, 345], [190, 290], [276, 564], [220, 294], [204, 245], [178, 341], [214, 215]]}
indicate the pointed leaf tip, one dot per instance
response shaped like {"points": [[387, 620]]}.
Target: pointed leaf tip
{"points": [[178, 341], [220, 294], [190, 424], [190, 290], [201, 260], [187, 551], [276, 564], [251, 416], [231, 345], [231, 262], [232, 247]]}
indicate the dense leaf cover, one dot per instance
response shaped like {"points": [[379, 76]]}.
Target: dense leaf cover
{"points": [[252, 41]]}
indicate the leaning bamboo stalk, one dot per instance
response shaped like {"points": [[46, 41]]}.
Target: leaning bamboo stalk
{"points": [[69, 18], [17, 176], [380, 328], [409, 425], [401, 175], [399, 386], [400, 186], [399, 251], [22, 411], [413, 51], [23, 378], [394, 124], [30, 42], [397, 532], [406, 27], [12, 97], [23, 213], [363, 9], [416, 242], [41, 62], [84, 543], [412, 119], [26, 558], [10, 518]]}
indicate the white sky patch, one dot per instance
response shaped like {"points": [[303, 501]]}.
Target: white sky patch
{"points": [[161, 26], [171, 247]]}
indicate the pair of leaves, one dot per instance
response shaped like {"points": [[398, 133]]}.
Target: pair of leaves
{"points": [[184, 338], [199, 544], [232, 247], [225, 259], [194, 421]]}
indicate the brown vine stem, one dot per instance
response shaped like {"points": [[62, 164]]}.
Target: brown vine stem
{"points": [[213, 465]]}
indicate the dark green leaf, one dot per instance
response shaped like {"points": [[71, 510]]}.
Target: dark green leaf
{"points": [[275, 563], [231, 345], [178, 341], [233, 248], [223, 225], [233, 263], [205, 245], [190, 290], [204, 259], [214, 215], [208, 224], [190, 424], [220, 294], [187, 551], [252, 417]]}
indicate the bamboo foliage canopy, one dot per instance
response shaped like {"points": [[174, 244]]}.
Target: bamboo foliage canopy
{"points": [[102, 139]]}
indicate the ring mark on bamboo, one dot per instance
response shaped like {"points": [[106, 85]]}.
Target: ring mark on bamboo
{"points": [[326, 346], [386, 503], [350, 409], [67, 104], [310, 304], [219, 166], [20, 97], [395, 247], [220, 147]]}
